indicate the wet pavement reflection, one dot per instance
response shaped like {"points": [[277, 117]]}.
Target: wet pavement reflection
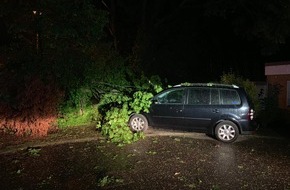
{"points": [[173, 161]]}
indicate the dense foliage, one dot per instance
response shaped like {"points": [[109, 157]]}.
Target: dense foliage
{"points": [[49, 53], [119, 103], [64, 42]]}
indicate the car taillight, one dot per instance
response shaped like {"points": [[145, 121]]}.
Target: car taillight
{"points": [[251, 114]]}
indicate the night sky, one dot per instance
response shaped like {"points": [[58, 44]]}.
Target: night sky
{"points": [[198, 41]]}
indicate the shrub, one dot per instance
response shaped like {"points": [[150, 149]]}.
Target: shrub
{"points": [[71, 116], [271, 112], [98, 78]]}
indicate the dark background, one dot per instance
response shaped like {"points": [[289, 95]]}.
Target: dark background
{"points": [[198, 41], [194, 40]]}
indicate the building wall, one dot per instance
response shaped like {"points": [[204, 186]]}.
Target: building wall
{"points": [[280, 80]]}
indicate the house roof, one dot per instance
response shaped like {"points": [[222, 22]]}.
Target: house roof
{"points": [[277, 68], [278, 63]]}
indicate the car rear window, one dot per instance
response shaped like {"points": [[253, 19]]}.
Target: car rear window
{"points": [[229, 97]]}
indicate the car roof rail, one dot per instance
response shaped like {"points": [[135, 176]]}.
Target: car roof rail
{"points": [[207, 84]]}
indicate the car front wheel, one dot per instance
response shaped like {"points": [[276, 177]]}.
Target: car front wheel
{"points": [[226, 131], [138, 123]]}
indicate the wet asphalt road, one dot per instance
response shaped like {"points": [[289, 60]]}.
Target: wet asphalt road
{"points": [[163, 160], [196, 161]]}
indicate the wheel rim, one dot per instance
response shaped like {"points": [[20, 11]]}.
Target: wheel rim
{"points": [[226, 132], [137, 124]]}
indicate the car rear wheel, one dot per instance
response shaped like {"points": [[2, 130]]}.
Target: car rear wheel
{"points": [[226, 131], [138, 123]]}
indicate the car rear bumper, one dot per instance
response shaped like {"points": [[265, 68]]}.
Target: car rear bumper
{"points": [[250, 128]]}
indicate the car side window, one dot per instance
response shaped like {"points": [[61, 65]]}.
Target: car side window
{"points": [[174, 96], [230, 97], [199, 96], [215, 97]]}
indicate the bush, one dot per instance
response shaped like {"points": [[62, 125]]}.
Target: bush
{"points": [[99, 77], [71, 116], [271, 112]]}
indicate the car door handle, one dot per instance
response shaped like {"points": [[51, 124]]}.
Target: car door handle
{"points": [[215, 111], [176, 110]]}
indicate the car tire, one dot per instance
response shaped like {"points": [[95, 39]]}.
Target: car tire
{"points": [[138, 123], [226, 131]]}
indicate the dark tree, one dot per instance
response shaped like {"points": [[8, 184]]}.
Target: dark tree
{"points": [[172, 37]]}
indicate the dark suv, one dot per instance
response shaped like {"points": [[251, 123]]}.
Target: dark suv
{"points": [[223, 111]]}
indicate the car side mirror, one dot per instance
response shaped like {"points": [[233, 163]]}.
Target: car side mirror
{"points": [[155, 101]]}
